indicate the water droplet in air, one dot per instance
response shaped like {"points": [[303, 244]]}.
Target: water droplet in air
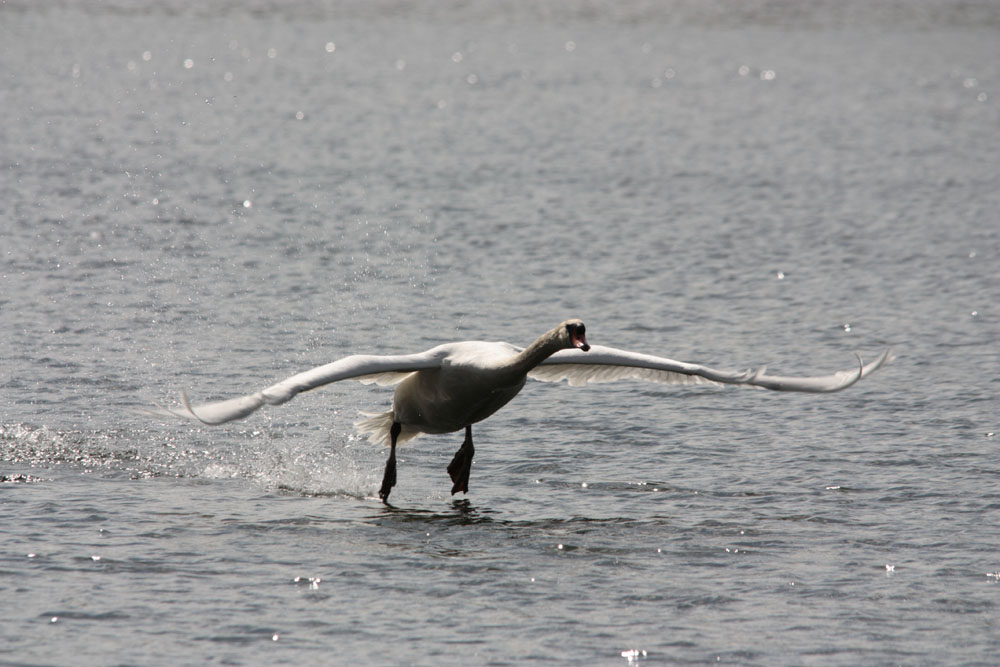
{"points": [[330, 47], [188, 64]]}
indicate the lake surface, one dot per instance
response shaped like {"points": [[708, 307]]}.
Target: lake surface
{"points": [[212, 198]]}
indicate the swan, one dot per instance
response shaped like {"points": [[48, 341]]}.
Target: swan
{"points": [[453, 386]]}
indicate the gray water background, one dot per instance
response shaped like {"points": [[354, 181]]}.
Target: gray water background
{"points": [[212, 196]]}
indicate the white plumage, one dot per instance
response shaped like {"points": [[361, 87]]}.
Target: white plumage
{"points": [[452, 386]]}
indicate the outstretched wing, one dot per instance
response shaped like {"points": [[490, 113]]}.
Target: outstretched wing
{"points": [[382, 370], [607, 364]]}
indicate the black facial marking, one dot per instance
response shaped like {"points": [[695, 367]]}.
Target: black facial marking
{"points": [[578, 334]]}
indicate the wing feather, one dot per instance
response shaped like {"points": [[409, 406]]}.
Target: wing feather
{"points": [[607, 364], [382, 370]]}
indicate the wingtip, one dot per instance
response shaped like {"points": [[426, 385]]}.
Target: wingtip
{"points": [[190, 410], [153, 411], [864, 370], [887, 357], [160, 411]]}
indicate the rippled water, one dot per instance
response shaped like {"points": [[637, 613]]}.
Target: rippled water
{"points": [[213, 198]]}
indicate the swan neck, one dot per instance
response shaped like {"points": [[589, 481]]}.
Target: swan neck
{"points": [[543, 348]]}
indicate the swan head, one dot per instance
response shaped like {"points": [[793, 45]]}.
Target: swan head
{"points": [[574, 334]]}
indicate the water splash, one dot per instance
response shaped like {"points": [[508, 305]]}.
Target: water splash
{"points": [[304, 464]]}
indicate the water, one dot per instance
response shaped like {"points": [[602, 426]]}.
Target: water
{"points": [[215, 198]]}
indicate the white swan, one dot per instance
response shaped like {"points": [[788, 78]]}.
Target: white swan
{"points": [[452, 386]]}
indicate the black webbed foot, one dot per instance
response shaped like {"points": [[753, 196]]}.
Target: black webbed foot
{"points": [[389, 476], [461, 464]]}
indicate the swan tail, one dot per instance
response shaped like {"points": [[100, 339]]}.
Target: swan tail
{"points": [[376, 427]]}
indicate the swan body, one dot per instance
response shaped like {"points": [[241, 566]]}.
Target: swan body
{"points": [[469, 386], [452, 386]]}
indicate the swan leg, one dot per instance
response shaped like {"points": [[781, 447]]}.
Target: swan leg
{"points": [[462, 463], [389, 478]]}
